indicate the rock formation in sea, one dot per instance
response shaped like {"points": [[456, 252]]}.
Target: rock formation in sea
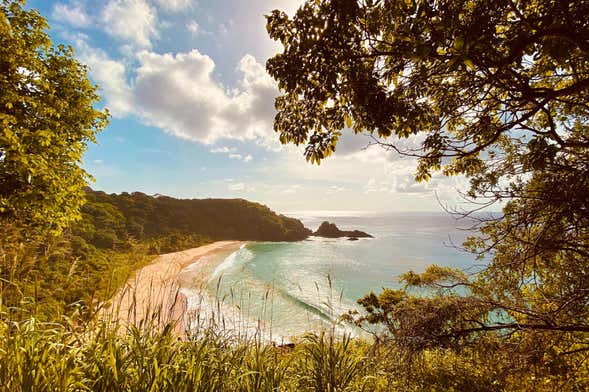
{"points": [[330, 230]]}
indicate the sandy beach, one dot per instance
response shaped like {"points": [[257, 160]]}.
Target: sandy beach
{"points": [[153, 294]]}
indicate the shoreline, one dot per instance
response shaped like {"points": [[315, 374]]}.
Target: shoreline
{"points": [[152, 296]]}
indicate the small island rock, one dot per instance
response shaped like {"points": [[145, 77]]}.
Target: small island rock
{"points": [[330, 230]]}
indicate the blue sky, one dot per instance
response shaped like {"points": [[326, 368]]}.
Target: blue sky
{"points": [[192, 111]]}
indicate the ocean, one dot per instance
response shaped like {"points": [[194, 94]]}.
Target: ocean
{"points": [[286, 289]]}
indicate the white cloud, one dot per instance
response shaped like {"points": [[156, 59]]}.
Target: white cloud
{"points": [[231, 152], [372, 149], [226, 27], [178, 93], [223, 150], [448, 189], [399, 178], [73, 14], [239, 187], [194, 28], [370, 186], [175, 5], [132, 21], [110, 76]]}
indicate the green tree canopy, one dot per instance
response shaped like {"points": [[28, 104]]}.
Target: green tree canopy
{"points": [[47, 118], [469, 76], [496, 90]]}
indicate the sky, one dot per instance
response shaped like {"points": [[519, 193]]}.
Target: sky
{"points": [[192, 109]]}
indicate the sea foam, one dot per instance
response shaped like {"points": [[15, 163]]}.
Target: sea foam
{"points": [[240, 256]]}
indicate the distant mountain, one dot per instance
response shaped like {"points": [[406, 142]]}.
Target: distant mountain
{"points": [[330, 230]]}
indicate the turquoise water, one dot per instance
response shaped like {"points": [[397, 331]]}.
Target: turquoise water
{"points": [[291, 288]]}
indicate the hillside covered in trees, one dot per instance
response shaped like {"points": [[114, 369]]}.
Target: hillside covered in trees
{"points": [[108, 220]]}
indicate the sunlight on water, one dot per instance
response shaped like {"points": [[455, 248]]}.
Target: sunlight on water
{"points": [[292, 288]]}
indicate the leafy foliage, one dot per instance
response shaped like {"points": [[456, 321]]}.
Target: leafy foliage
{"points": [[467, 75], [61, 275], [47, 118], [495, 90], [144, 217]]}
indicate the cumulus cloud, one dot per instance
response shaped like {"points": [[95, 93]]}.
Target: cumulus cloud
{"points": [[110, 76], [179, 94], [376, 186], [73, 14], [132, 21], [399, 178]]}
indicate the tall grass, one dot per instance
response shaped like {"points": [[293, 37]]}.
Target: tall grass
{"points": [[102, 356], [38, 356], [114, 353]]}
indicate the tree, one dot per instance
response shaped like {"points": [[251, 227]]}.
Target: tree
{"points": [[47, 118], [495, 90]]}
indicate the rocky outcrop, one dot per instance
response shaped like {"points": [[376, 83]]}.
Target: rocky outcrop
{"points": [[330, 230]]}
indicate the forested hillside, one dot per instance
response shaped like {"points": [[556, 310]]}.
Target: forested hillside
{"points": [[109, 219]]}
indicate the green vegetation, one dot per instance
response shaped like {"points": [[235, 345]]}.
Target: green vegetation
{"points": [[43, 357], [116, 235], [68, 357], [145, 217], [495, 90], [64, 275], [47, 118]]}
